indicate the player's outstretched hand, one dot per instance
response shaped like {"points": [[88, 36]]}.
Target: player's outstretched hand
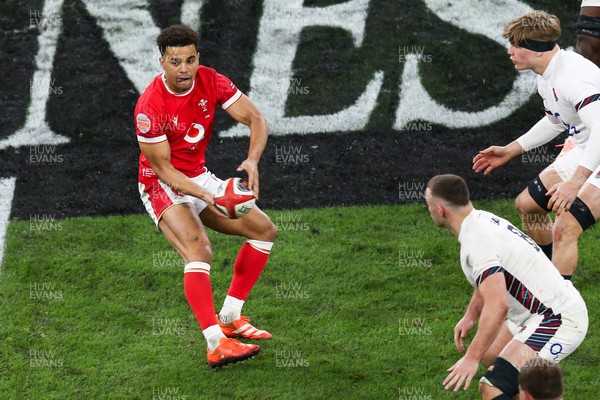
{"points": [[462, 372], [490, 158], [563, 195], [461, 330], [251, 168]]}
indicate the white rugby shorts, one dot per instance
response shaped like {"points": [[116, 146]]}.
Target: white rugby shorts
{"points": [[568, 160], [159, 197], [550, 341]]}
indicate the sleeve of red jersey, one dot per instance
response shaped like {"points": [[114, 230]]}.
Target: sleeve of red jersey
{"points": [[148, 126], [227, 92]]}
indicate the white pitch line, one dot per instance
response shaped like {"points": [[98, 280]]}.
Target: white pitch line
{"points": [[7, 191], [36, 129], [190, 13]]}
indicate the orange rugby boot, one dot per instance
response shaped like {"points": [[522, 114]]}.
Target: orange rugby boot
{"points": [[241, 328], [230, 351]]}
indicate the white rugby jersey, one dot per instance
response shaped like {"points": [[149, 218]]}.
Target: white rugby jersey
{"points": [[490, 244], [569, 83]]}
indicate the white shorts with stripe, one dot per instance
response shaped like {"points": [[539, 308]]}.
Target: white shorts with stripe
{"points": [[159, 197], [568, 159], [551, 342]]}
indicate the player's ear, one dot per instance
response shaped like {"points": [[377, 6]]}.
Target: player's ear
{"points": [[441, 211], [161, 61]]}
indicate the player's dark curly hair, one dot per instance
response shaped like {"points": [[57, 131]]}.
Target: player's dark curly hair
{"points": [[451, 188], [542, 379], [176, 36]]}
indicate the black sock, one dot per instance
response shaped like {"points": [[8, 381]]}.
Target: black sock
{"points": [[567, 277], [547, 249], [502, 397]]}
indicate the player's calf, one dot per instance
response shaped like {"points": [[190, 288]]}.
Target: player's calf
{"points": [[567, 230]]}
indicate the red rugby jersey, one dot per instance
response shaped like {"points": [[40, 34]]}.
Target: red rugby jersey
{"points": [[185, 120]]}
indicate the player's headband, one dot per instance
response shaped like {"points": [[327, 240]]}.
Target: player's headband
{"points": [[535, 45]]}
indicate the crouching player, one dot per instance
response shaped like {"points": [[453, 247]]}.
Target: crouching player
{"points": [[524, 307], [570, 88]]}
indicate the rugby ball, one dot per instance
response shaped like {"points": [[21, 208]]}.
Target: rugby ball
{"points": [[234, 198]]}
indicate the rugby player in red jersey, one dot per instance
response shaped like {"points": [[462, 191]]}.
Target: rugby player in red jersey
{"points": [[174, 120]]}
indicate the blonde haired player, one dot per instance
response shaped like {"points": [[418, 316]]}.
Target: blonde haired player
{"points": [[524, 307], [569, 85]]}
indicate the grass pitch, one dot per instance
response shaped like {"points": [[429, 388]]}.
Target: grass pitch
{"points": [[362, 302]]}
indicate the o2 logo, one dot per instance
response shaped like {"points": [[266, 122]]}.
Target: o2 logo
{"points": [[555, 350], [194, 134]]}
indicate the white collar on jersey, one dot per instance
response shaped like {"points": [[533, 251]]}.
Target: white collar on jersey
{"points": [[164, 80]]}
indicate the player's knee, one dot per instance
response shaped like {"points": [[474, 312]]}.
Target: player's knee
{"points": [[565, 230], [259, 227], [271, 232], [199, 251], [267, 230], [522, 202]]}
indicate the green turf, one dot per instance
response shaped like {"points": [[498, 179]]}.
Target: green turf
{"points": [[362, 302]]}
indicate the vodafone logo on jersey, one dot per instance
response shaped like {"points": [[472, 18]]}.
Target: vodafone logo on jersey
{"points": [[143, 123], [194, 134]]}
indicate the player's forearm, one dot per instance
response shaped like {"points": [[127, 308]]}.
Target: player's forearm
{"points": [[475, 305], [541, 133], [490, 322], [178, 181], [580, 176], [514, 149], [259, 132]]}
